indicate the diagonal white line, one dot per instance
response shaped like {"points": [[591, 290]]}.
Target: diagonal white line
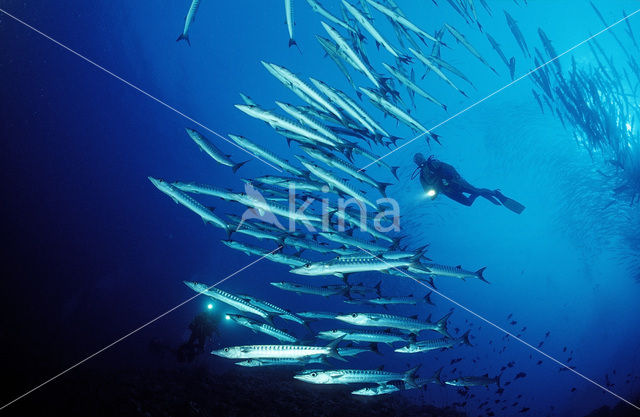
{"points": [[135, 87], [431, 288], [499, 90], [110, 345]]}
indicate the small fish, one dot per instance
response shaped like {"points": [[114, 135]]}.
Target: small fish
{"points": [[188, 20]]}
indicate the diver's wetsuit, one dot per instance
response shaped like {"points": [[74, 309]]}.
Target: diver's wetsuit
{"points": [[439, 177]]}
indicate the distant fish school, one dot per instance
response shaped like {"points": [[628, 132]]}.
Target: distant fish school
{"points": [[331, 134]]}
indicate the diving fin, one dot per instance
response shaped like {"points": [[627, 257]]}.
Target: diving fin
{"points": [[512, 205]]}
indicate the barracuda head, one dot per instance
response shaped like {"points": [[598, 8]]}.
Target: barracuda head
{"points": [[314, 376], [249, 363], [354, 318], [311, 269], [331, 334], [404, 349], [457, 382], [196, 286], [238, 318], [232, 352]]}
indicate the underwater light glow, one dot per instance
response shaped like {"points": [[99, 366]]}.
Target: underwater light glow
{"points": [[431, 193], [209, 306], [227, 317]]}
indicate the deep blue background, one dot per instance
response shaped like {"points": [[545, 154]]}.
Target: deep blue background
{"points": [[93, 250]]}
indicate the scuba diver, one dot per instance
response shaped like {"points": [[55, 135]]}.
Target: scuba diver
{"points": [[203, 326], [438, 177]]}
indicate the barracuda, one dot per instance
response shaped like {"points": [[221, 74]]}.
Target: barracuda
{"points": [[371, 336], [195, 188], [433, 67], [366, 24], [317, 7], [336, 183], [292, 183], [230, 299], [257, 326], [247, 249], [272, 308], [181, 198], [473, 381], [324, 291], [331, 49], [377, 390], [354, 242], [294, 82], [343, 265], [317, 315], [412, 85], [411, 324], [454, 271], [267, 206], [434, 344], [344, 166], [393, 110], [188, 20], [410, 300], [279, 351], [293, 111], [264, 154], [357, 376], [277, 121], [461, 39], [211, 150], [403, 21], [350, 54], [333, 95]]}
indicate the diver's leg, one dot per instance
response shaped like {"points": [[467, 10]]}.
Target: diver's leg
{"points": [[487, 194], [462, 199]]}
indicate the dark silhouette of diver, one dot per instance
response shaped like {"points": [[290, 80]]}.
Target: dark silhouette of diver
{"points": [[202, 328], [438, 177]]}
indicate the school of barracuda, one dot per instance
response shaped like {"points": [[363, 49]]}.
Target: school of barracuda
{"points": [[331, 134]]}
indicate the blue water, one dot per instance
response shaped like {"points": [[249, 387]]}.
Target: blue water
{"points": [[93, 250]]}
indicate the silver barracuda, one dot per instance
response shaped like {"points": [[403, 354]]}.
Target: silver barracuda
{"points": [[229, 299], [293, 81], [257, 326], [277, 121], [211, 150], [335, 182], [343, 265], [318, 8], [411, 324], [324, 291], [377, 390], [433, 67], [293, 111], [288, 10], [455, 272], [355, 242], [402, 21], [372, 336], [279, 351], [272, 308], [473, 381], [357, 376], [265, 154], [366, 24], [188, 20], [352, 57], [434, 344], [460, 38], [187, 201], [393, 110], [411, 85]]}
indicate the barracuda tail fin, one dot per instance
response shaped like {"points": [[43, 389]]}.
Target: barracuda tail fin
{"points": [[410, 377], [441, 325], [427, 298], [382, 187], [394, 171], [237, 166], [480, 276], [185, 37], [465, 338], [333, 349], [436, 377], [374, 348]]}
